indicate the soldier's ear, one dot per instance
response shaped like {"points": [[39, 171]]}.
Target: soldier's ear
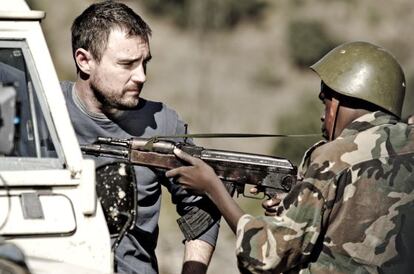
{"points": [[84, 60]]}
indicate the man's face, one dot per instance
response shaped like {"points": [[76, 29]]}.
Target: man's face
{"points": [[118, 78], [326, 118]]}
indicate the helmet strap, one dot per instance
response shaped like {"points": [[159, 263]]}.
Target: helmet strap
{"points": [[333, 112]]}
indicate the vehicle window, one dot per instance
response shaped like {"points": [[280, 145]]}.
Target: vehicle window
{"points": [[32, 137]]}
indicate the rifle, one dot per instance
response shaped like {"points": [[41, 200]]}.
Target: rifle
{"points": [[270, 175]]}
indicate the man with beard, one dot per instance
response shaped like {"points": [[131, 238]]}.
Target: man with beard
{"points": [[110, 45], [353, 209]]}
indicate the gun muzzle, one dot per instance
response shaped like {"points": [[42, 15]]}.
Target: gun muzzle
{"points": [[100, 150]]}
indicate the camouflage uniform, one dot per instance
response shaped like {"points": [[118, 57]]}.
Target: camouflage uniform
{"points": [[352, 213]]}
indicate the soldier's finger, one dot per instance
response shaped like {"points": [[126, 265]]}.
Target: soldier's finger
{"points": [[254, 190], [185, 156], [174, 172], [268, 213], [271, 204]]}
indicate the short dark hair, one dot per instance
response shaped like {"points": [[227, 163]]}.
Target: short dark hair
{"points": [[91, 29]]}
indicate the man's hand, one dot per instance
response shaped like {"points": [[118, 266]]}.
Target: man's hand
{"points": [[199, 176], [197, 257]]}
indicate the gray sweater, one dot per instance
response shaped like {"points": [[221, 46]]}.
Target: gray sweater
{"points": [[136, 251]]}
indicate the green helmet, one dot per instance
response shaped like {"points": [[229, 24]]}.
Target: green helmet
{"points": [[365, 71]]}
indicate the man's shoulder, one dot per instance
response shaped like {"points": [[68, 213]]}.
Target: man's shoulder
{"points": [[144, 102], [66, 84], [153, 118], [66, 87], [160, 109]]}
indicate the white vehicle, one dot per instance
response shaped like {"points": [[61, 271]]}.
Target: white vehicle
{"points": [[48, 205]]}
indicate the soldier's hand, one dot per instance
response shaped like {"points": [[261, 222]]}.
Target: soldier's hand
{"points": [[271, 204], [198, 176]]}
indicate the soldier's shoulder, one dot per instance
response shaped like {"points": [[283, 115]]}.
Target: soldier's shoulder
{"points": [[307, 158], [334, 156], [331, 150], [375, 143]]}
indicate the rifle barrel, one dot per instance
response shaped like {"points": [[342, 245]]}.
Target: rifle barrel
{"points": [[99, 150]]}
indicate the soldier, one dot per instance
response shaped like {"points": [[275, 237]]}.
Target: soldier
{"points": [[353, 211]]}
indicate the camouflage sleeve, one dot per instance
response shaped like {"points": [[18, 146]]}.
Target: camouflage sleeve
{"points": [[306, 160], [284, 241]]}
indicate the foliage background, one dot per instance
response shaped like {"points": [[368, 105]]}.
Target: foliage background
{"points": [[241, 66]]}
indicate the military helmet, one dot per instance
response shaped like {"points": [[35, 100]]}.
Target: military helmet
{"points": [[365, 71]]}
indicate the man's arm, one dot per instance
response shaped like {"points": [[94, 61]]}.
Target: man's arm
{"points": [[197, 256]]}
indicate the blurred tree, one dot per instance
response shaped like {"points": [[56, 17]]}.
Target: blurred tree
{"points": [[208, 15], [266, 76], [308, 42], [304, 119]]}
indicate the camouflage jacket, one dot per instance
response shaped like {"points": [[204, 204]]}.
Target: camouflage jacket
{"points": [[352, 213]]}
